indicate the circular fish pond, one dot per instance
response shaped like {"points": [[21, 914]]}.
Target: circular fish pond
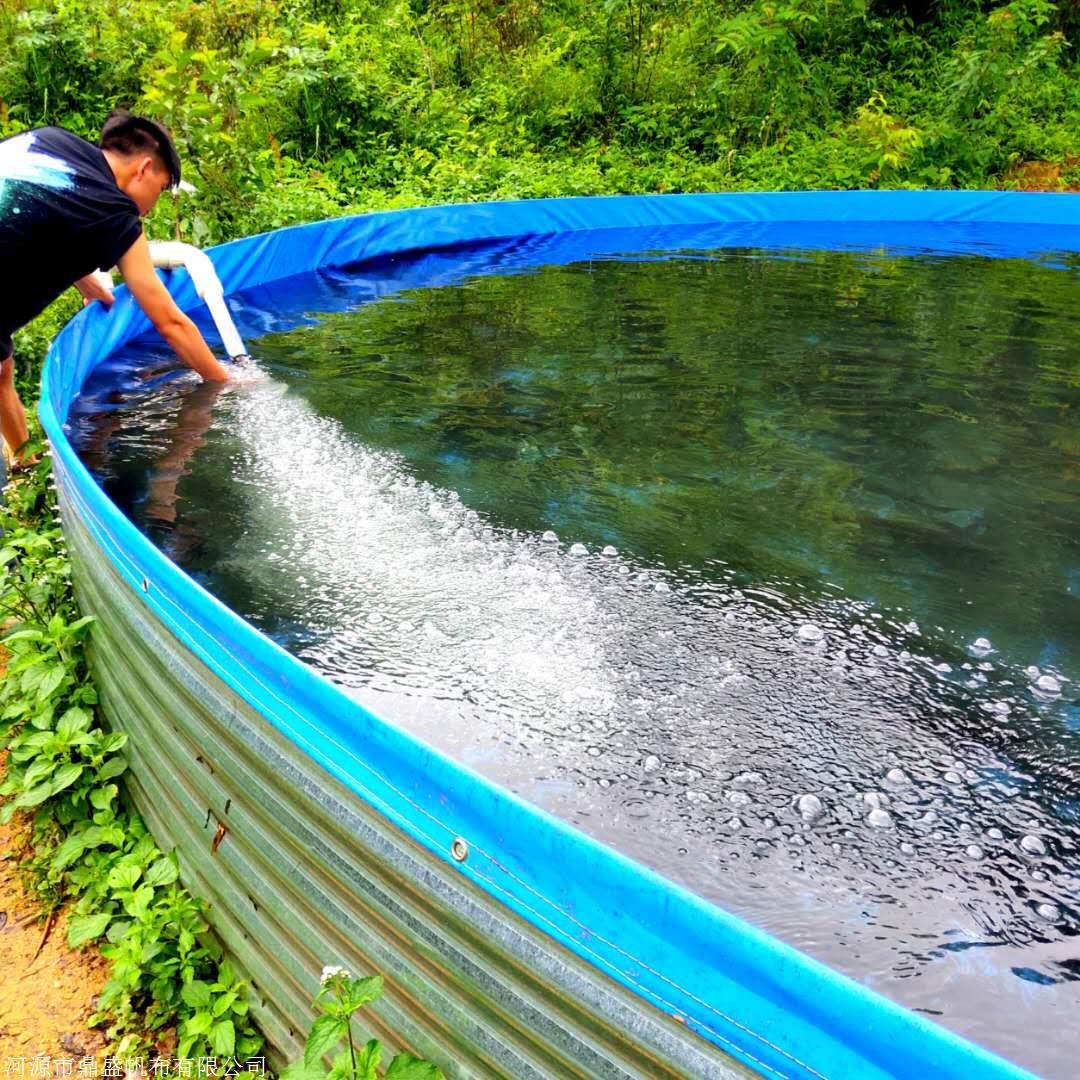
{"points": [[749, 549]]}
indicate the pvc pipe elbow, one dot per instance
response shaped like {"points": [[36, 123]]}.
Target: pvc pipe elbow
{"points": [[174, 255]]}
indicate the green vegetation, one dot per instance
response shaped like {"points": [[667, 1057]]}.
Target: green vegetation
{"points": [[87, 845], [288, 112], [340, 997]]}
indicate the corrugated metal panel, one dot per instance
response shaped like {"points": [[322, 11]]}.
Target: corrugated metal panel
{"points": [[307, 874]]}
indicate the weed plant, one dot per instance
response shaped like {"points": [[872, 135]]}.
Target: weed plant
{"points": [[86, 845]]}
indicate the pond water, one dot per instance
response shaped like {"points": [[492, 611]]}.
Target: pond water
{"points": [[761, 565]]}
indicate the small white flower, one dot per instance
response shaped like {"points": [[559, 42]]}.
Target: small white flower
{"points": [[329, 972]]}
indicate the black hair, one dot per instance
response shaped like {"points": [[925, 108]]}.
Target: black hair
{"points": [[127, 134]]}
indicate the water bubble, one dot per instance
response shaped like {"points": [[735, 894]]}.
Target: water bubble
{"points": [[907, 849], [980, 647], [1033, 845], [944, 668], [624, 569], [651, 763], [1049, 912], [879, 819], [738, 798], [593, 751], [1048, 684], [577, 550], [697, 796], [549, 537], [810, 632], [953, 777], [735, 823], [896, 776], [749, 778], [995, 833], [605, 783], [610, 551], [880, 650], [662, 586], [810, 807], [973, 851], [1032, 672]]}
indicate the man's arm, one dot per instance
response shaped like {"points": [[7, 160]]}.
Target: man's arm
{"points": [[169, 321], [93, 288]]}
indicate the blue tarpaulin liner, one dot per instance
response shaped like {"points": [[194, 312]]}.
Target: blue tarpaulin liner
{"points": [[764, 1003]]}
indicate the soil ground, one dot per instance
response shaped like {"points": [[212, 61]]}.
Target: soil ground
{"points": [[44, 1000]]}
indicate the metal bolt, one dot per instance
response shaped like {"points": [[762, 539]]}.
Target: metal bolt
{"points": [[145, 585], [459, 849]]}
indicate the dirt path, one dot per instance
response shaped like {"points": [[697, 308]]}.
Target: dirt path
{"points": [[44, 1003]]}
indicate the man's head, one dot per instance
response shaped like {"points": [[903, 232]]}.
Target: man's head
{"points": [[142, 156]]}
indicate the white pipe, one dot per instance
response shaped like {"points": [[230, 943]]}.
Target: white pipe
{"points": [[172, 255]]}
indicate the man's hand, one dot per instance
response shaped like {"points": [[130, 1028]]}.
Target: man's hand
{"points": [[93, 288], [169, 321]]}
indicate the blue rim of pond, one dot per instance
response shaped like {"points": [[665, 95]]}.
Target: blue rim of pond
{"points": [[764, 1002]]}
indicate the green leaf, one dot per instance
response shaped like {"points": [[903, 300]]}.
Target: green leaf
{"points": [[114, 741], [224, 1002], [66, 776], [52, 678], [342, 1067], [124, 876], [72, 721], [162, 872], [139, 902], [37, 771], [101, 797], [367, 1061], [299, 1071], [223, 1038], [113, 767], [326, 1032], [33, 797], [196, 994], [87, 928], [359, 992], [407, 1067], [199, 1024], [118, 929], [20, 635], [69, 851]]}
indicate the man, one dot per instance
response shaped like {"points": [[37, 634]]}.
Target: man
{"points": [[68, 208]]}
